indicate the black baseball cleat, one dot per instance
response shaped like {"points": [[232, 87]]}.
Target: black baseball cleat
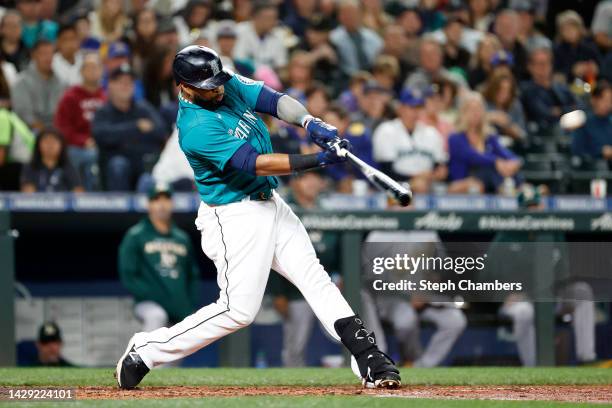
{"points": [[382, 372], [130, 368]]}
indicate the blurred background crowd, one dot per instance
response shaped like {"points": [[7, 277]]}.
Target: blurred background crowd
{"points": [[454, 96]]}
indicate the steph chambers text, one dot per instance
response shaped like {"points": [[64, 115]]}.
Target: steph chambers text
{"points": [[465, 285]]}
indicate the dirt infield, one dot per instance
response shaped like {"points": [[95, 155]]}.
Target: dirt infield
{"points": [[568, 393]]}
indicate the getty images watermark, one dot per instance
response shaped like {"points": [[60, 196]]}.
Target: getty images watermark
{"points": [[487, 271], [437, 265]]}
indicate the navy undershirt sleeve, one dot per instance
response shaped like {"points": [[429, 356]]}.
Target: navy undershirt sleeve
{"points": [[244, 158], [267, 101]]}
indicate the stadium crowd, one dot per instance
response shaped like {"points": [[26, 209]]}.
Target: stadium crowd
{"points": [[454, 96]]}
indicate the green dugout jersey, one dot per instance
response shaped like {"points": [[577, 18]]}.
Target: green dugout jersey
{"points": [[161, 268], [209, 138]]}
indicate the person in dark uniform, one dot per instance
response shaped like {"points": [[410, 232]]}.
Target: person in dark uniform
{"points": [[49, 347], [157, 265]]}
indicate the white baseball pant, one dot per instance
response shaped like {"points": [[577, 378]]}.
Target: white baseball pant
{"points": [[244, 240], [297, 328], [578, 301], [151, 314]]}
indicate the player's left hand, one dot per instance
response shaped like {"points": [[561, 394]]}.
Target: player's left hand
{"points": [[320, 133], [330, 154]]}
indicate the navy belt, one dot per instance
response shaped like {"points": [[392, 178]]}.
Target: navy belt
{"points": [[261, 195]]}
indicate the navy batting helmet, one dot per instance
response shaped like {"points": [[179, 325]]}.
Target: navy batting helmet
{"points": [[199, 67]]}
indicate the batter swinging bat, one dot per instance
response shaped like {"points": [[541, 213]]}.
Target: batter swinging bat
{"points": [[385, 183]]}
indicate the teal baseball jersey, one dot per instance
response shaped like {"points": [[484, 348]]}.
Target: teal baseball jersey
{"points": [[209, 138]]}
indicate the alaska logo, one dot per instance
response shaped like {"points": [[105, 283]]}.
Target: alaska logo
{"points": [[435, 221], [245, 124]]}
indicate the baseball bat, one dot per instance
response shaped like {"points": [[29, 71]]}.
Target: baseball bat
{"points": [[379, 179]]}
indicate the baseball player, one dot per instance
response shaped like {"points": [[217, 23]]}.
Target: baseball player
{"points": [[247, 229]]}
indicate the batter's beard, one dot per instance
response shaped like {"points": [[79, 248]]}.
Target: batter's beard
{"points": [[206, 103]]}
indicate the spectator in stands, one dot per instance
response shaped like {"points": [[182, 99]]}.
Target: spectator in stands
{"points": [[73, 118], [129, 133], [480, 64], [575, 57], [49, 10], [528, 35], [430, 67], [119, 54], [470, 37], [374, 16], [83, 28], [397, 45], [260, 39], [16, 147], [297, 315], [502, 63], [317, 99], [361, 140], [506, 28], [242, 10], [432, 111], [34, 27], [49, 347], [67, 59], [386, 72], [353, 97], [504, 110], [38, 89], [158, 81], [11, 46], [408, 149], [478, 161], [108, 21], [299, 75], [167, 34], [297, 13], [193, 21], [375, 105], [226, 41], [545, 100], [409, 19], [594, 139], [142, 38], [601, 25], [157, 265], [449, 95], [357, 45], [325, 63], [50, 169], [481, 17], [455, 56]]}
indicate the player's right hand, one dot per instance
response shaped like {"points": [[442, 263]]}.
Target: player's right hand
{"points": [[320, 133]]}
